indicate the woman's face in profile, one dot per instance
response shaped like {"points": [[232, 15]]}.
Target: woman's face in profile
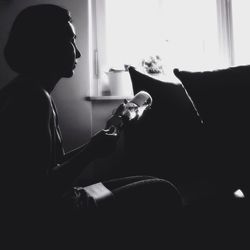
{"points": [[67, 53], [42, 44]]}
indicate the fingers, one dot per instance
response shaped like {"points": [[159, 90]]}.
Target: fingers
{"points": [[111, 131], [120, 109]]}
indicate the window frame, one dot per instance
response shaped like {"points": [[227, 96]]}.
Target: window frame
{"points": [[98, 60]]}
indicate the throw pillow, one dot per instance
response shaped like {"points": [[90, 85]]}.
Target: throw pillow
{"points": [[220, 95], [164, 142], [222, 99]]}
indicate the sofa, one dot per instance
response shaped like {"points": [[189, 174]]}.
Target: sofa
{"points": [[196, 135]]}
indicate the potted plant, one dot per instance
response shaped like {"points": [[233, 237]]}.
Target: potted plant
{"points": [[153, 65]]}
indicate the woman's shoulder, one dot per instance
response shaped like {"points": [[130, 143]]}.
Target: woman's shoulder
{"points": [[39, 95], [20, 93]]}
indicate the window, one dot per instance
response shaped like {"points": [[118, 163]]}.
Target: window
{"points": [[190, 35], [241, 30]]}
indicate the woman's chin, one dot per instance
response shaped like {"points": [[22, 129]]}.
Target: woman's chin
{"points": [[68, 74]]}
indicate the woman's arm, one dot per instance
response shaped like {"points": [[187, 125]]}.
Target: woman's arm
{"points": [[74, 152], [31, 127], [100, 145]]}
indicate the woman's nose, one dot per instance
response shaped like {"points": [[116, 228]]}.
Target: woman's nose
{"points": [[78, 53]]}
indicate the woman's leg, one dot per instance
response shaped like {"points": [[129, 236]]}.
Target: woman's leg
{"points": [[121, 182], [145, 209], [142, 210]]}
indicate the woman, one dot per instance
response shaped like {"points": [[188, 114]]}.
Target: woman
{"points": [[36, 171]]}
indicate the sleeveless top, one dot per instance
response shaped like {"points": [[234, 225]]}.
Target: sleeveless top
{"points": [[24, 187], [56, 137], [15, 143]]}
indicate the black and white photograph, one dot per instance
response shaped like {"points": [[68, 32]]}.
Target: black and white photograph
{"points": [[125, 124]]}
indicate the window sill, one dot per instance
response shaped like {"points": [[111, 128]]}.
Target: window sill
{"points": [[107, 98]]}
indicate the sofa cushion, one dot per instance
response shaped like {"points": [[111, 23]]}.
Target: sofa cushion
{"points": [[221, 96], [165, 141], [222, 100]]}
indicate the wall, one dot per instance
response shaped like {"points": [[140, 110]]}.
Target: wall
{"points": [[69, 95]]}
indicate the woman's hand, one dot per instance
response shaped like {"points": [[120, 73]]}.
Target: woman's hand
{"points": [[117, 120], [103, 142]]}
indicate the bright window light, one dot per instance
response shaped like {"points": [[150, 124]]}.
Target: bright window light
{"points": [[241, 20], [183, 33]]}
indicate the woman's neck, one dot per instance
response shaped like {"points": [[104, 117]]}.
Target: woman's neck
{"points": [[46, 81]]}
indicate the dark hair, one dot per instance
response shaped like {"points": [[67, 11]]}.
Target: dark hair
{"points": [[35, 32]]}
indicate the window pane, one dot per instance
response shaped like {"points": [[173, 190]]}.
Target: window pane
{"points": [[132, 30], [241, 20], [191, 31], [183, 33]]}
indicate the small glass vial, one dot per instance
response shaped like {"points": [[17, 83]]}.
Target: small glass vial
{"points": [[128, 111]]}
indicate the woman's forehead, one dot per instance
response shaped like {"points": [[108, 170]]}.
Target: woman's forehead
{"points": [[72, 29]]}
